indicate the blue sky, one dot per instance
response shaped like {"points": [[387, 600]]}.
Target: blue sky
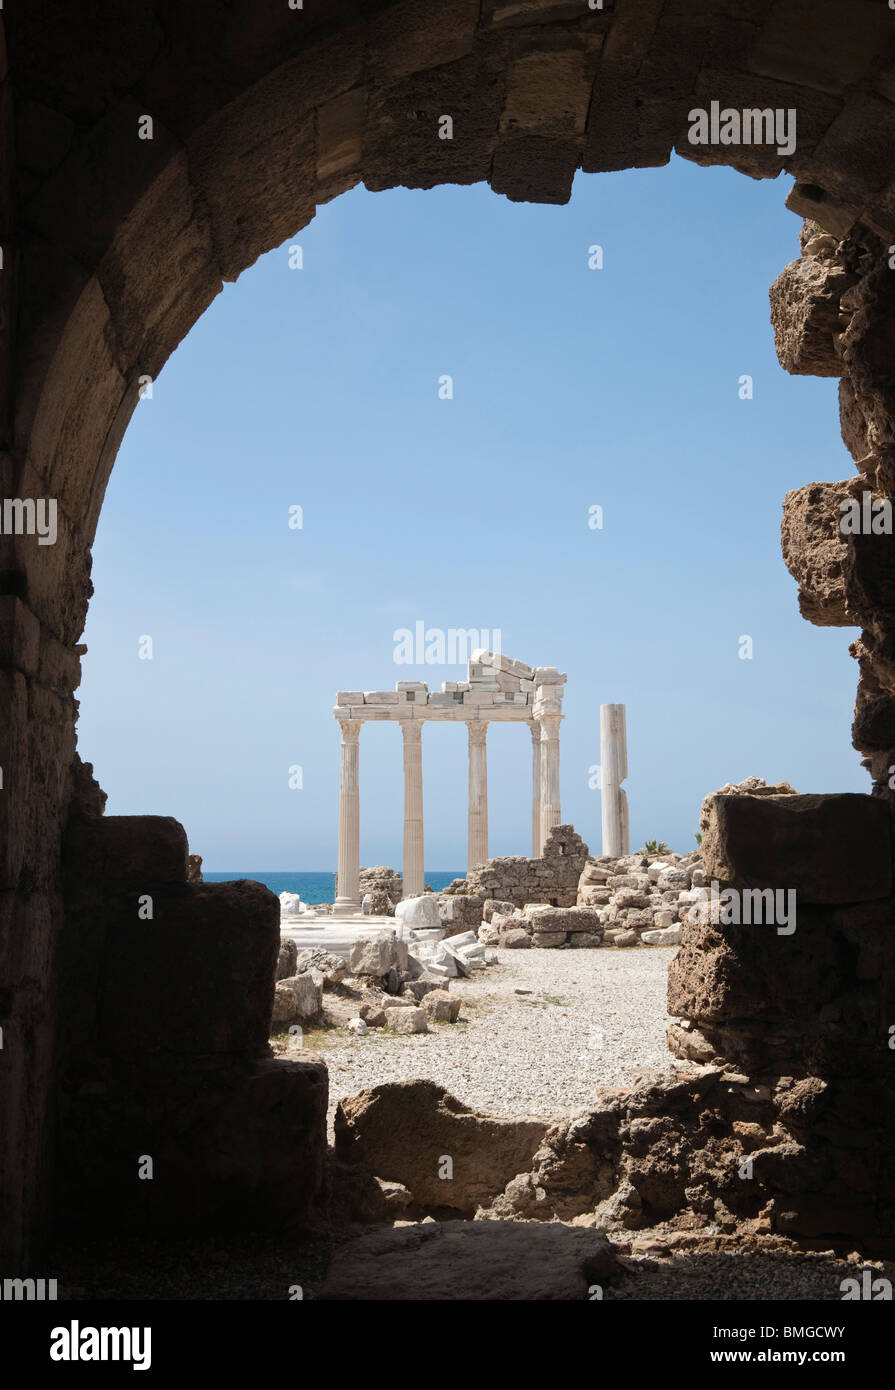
{"points": [[573, 388]]}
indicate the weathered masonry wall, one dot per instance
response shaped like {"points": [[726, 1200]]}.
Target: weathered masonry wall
{"points": [[551, 878]]}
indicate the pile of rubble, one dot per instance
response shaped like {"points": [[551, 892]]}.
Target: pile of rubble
{"points": [[639, 898], [644, 897], [301, 979], [404, 975]]}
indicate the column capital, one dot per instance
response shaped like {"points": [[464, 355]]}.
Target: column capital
{"points": [[550, 725], [478, 730], [534, 728], [412, 729], [350, 729]]}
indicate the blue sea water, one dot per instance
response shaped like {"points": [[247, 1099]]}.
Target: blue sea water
{"points": [[315, 887]]}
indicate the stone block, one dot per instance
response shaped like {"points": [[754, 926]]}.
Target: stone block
{"points": [[814, 551], [541, 917], [419, 989], [286, 959], [307, 994], [805, 314], [631, 898], [377, 954], [515, 938], [548, 939], [331, 968], [829, 849], [136, 851], [441, 1007], [535, 168], [197, 978], [549, 93], [411, 1020], [19, 634], [460, 910], [420, 911], [663, 936], [673, 877]]}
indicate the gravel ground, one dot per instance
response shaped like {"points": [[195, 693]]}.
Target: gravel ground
{"points": [[588, 1019], [264, 1267], [729, 1275]]}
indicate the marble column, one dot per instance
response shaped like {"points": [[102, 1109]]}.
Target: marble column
{"points": [[348, 900], [535, 728], [413, 868], [477, 821], [550, 810], [613, 771]]}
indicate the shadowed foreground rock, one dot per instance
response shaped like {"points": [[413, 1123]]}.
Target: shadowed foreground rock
{"points": [[492, 1261], [798, 1157], [403, 1131], [828, 849], [168, 988]]}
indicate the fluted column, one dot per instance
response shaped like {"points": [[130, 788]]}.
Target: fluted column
{"points": [[477, 820], [348, 900], [413, 868], [550, 810], [535, 729], [613, 771]]}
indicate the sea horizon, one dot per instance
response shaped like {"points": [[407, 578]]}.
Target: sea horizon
{"points": [[312, 885]]}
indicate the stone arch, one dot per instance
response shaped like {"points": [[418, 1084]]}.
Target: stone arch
{"points": [[114, 245]]}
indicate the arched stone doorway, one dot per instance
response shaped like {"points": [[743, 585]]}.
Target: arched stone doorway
{"points": [[161, 151]]}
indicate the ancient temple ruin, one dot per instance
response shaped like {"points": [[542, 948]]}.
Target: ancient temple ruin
{"points": [[497, 688]]}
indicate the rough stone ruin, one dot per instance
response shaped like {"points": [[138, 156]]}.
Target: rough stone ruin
{"points": [[552, 877], [118, 1041], [380, 889]]}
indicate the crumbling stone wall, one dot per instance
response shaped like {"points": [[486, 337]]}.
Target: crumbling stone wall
{"points": [[385, 886], [514, 879], [166, 992], [834, 315], [802, 1011]]}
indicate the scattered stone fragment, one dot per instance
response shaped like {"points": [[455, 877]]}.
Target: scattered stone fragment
{"points": [[410, 1020], [419, 912], [377, 954], [442, 1007]]}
